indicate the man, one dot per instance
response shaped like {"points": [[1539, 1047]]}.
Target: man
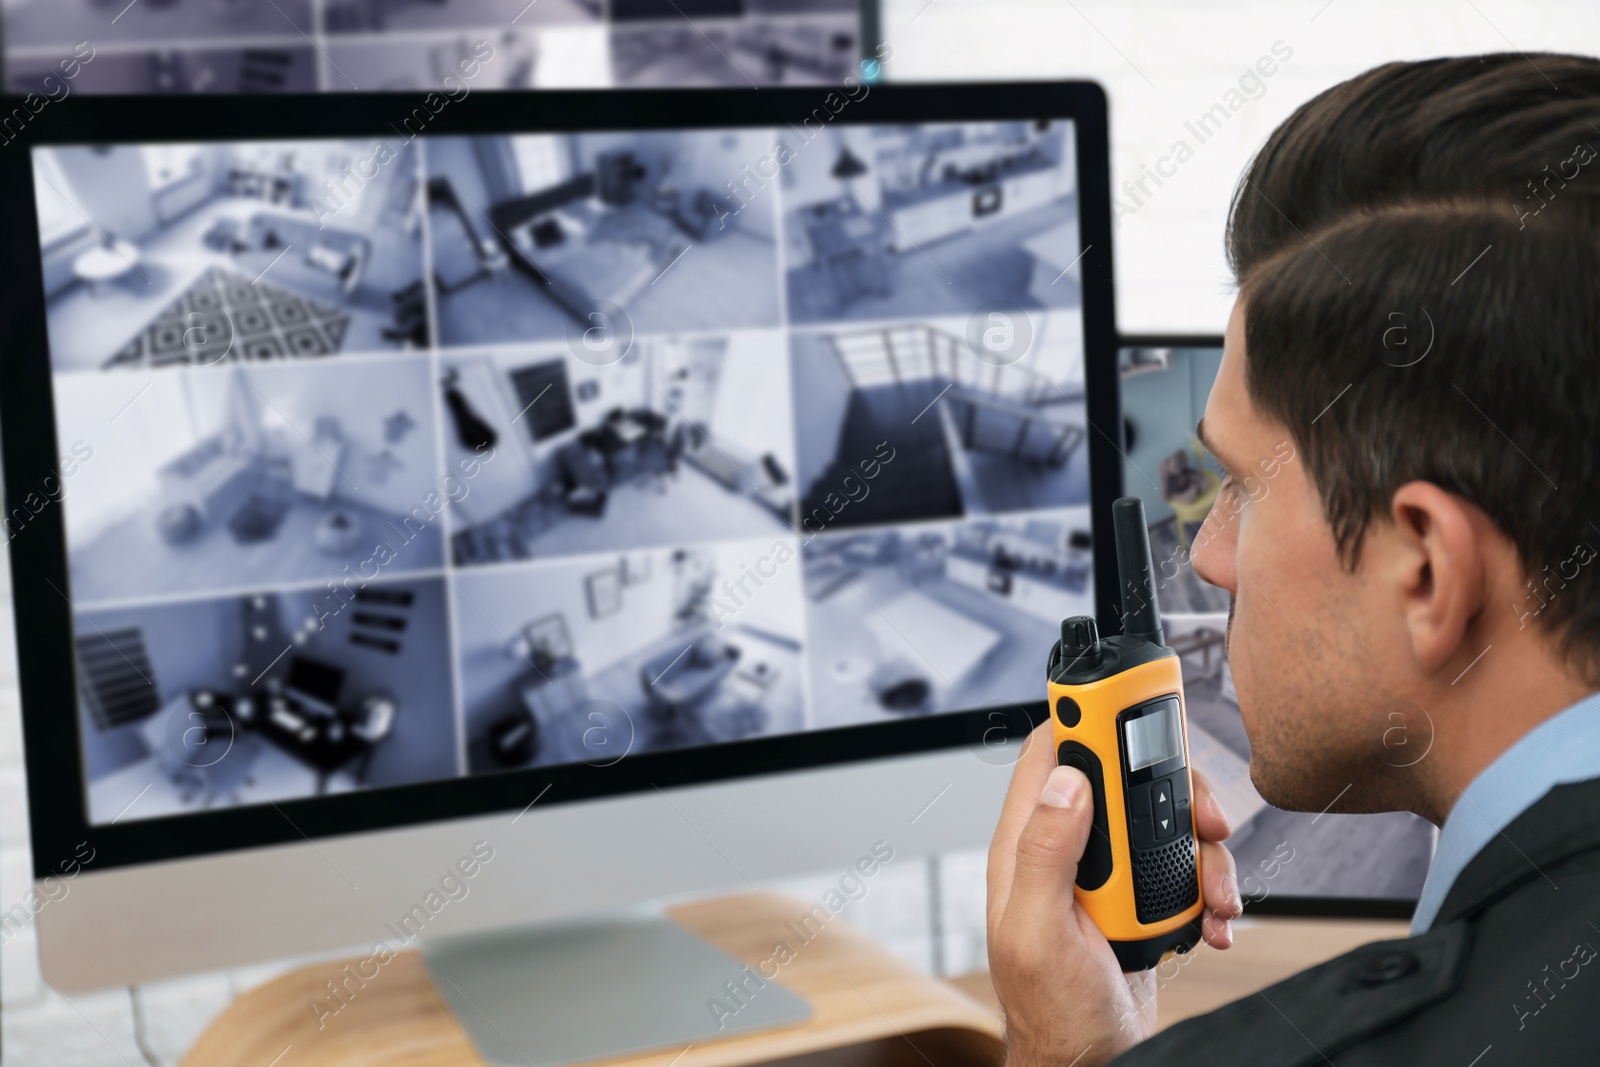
{"points": [[1418, 257]]}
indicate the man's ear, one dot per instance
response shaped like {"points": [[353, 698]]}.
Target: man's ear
{"points": [[1440, 568]]}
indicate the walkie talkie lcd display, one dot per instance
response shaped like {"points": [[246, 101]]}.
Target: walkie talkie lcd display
{"points": [[1116, 707]]}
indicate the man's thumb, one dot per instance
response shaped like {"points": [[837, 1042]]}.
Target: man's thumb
{"points": [[1050, 847]]}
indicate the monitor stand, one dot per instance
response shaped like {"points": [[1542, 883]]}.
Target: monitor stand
{"points": [[570, 992]]}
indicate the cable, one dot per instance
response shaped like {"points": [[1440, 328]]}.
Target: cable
{"points": [[140, 1038], [935, 918]]}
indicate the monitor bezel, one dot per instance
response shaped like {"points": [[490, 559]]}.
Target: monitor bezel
{"points": [[40, 591]]}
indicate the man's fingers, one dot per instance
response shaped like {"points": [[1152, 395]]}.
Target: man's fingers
{"points": [[1027, 780], [1029, 853], [1219, 881], [1219, 887], [1047, 855], [1210, 822], [1218, 933]]}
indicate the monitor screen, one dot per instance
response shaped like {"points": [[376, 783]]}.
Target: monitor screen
{"points": [[564, 448], [1288, 861], [455, 47], [319, 681]]}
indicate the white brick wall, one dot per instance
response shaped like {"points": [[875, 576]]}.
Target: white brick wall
{"points": [[1165, 62]]}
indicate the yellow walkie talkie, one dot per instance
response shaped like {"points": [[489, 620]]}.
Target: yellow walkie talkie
{"points": [[1116, 711]]}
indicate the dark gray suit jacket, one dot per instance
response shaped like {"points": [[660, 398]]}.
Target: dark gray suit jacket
{"points": [[1509, 973]]}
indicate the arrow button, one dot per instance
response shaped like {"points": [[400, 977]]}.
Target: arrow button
{"points": [[1161, 811]]}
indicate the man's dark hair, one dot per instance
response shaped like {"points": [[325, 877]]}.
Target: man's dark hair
{"points": [[1418, 250]]}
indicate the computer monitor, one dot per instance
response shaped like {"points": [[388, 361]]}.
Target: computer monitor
{"points": [[313, 684], [1290, 863], [58, 49], [690, 484]]}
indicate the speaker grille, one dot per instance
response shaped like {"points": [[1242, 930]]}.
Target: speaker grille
{"points": [[1164, 881]]}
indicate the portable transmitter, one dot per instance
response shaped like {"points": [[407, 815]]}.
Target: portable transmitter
{"points": [[1116, 711]]}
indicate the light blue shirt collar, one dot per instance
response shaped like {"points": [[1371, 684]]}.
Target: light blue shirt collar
{"points": [[1564, 748]]}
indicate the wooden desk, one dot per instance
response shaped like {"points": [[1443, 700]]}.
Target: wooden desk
{"points": [[862, 999], [1264, 951], [868, 1008]]}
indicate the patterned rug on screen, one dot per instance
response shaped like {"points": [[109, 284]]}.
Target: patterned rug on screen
{"points": [[225, 317]]}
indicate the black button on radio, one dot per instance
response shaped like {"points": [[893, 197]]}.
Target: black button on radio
{"points": [[1095, 866], [1068, 712], [1141, 829], [1161, 810]]}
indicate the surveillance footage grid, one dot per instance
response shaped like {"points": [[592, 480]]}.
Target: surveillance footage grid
{"points": [[395, 461], [56, 47]]}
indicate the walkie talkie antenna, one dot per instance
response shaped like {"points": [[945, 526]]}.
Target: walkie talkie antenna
{"points": [[1141, 617]]}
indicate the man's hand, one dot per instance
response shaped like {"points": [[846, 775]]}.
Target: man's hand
{"points": [[1065, 998]]}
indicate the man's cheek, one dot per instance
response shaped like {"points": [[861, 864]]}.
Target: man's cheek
{"points": [[1255, 706]]}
